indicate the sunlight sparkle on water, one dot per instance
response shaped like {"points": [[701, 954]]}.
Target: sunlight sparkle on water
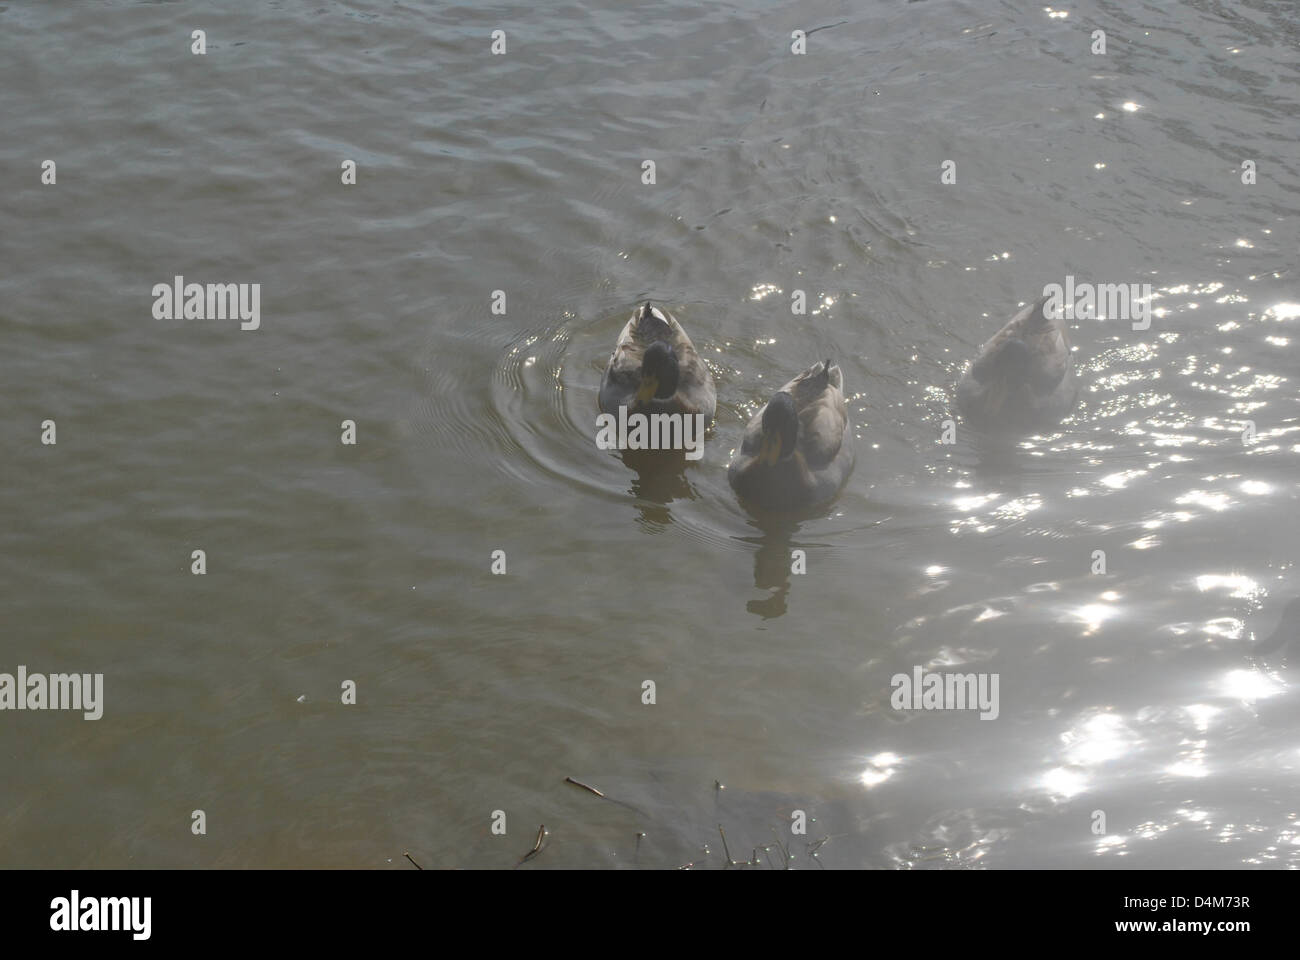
{"points": [[881, 768], [1064, 783], [1203, 498], [1249, 685], [1099, 738], [1092, 615], [1242, 587]]}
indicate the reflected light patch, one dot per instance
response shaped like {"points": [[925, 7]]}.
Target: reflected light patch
{"points": [[1096, 740], [967, 504], [1201, 714], [1104, 844], [1203, 498], [1117, 481], [1064, 783], [1093, 615], [880, 768], [1242, 587], [1188, 768], [1228, 627], [1249, 685]]}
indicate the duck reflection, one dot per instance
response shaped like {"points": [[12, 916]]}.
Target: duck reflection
{"points": [[660, 479], [1285, 640], [772, 562]]}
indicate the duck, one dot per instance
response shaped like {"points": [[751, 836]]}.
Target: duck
{"points": [[1023, 378], [795, 452], [655, 368]]}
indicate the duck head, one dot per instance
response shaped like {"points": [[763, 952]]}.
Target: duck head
{"points": [[659, 373], [780, 429]]}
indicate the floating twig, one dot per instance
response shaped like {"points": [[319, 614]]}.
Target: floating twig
{"points": [[809, 33], [590, 789], [585, 786], [412, 859]]}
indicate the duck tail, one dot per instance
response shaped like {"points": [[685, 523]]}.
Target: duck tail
{"points": [[651, 324], [1039, 315]]}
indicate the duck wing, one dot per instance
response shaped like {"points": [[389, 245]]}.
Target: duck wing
{"points": [[622, 377], [695, 387]]}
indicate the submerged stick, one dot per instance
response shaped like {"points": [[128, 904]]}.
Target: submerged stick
{"points": [[726, 852], [537, 847], [780, 846]]}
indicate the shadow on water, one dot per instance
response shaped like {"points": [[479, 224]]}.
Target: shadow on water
{"points": [[997, 456]]}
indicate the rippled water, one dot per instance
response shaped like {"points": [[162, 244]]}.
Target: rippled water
{"points": [[1162, 692]]}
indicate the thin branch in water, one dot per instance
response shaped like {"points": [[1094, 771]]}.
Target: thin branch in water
{"points": [[537, 847], [587, 787], [780, 846], [809, 33], [409, 857], [726, 852]]}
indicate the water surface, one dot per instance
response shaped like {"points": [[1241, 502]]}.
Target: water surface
{"points": [[1162, 692]]}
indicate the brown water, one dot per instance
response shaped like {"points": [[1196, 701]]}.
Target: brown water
{"points": [[1143, 692]]}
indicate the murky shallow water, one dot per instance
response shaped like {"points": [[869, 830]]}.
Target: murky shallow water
{"points": [[1162, 692]]}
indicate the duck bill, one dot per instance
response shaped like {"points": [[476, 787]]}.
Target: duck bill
{"points": [[770, 450], [649, 387]]}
